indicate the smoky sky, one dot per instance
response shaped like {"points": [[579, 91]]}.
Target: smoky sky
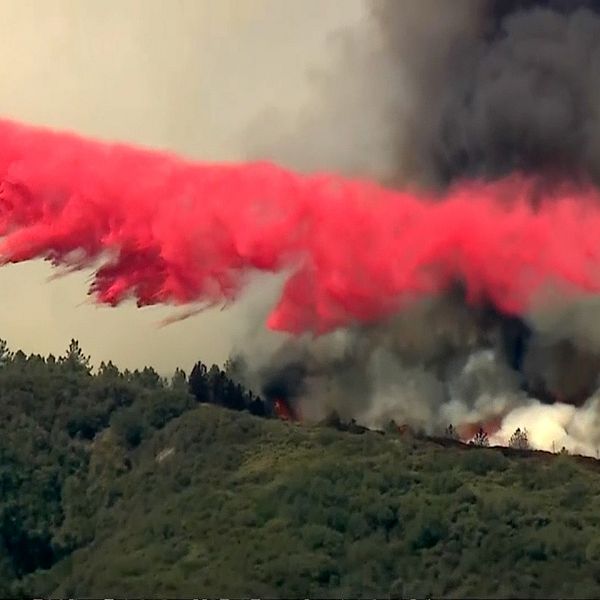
{"points": [[440, 91], [515, 88], [407, 92]]}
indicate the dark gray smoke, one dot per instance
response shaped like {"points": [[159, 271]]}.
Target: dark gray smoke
{"points": [[516, 89], [507, 85], [442, 90], [527, 99], [454, 369]]}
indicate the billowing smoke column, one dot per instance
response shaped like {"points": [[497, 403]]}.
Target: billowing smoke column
{"points": [[420, 299], [364, 262], [448, 91], [516, 90], [495, 85]]}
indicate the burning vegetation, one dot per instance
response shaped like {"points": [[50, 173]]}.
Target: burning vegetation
{"points": [[490, 188]]}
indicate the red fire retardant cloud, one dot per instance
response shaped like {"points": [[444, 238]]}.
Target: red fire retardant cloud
{"points": [[166, 230]]}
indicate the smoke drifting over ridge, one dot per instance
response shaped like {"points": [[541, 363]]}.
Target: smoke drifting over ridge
{"points": [[437, 361], [438, 92], [373, 268]]}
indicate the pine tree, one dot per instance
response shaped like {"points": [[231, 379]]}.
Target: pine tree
{"points": [[480, 438], [198, 382], [75, 358], [217, 381], [108, 370], [5, 353], [179, 380], [519, 440]]}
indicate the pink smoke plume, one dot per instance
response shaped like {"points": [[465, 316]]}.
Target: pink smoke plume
{"points": [[166, 230]]}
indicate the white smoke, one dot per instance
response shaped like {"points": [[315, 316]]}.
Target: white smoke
{"points": [[392, 107], [555, 426]]}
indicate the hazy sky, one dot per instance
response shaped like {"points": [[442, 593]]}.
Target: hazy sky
{"points": [[188, 75]]}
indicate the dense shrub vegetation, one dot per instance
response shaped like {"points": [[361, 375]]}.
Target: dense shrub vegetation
{"points": [[123, 484]]}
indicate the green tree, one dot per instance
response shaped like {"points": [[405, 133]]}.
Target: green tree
{"points": [[148, 378], [216, 385], [427, 530], [75, 359], [129, 426], [255, 405], [519, 440], [5, 353], [179, 380], [165, 405], [198, 382], [480, 438], [108, 370]]}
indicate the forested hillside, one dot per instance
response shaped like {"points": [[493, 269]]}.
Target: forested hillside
{"points": [[123, 483]]}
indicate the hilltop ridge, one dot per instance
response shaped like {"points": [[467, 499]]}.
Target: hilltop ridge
{"points": [[171, 498]]}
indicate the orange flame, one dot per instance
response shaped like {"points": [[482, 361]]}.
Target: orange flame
{"points": [[284, 411], [466, 431]]}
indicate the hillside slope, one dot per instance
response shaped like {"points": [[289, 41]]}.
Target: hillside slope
{"points": [[221, 503]]}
